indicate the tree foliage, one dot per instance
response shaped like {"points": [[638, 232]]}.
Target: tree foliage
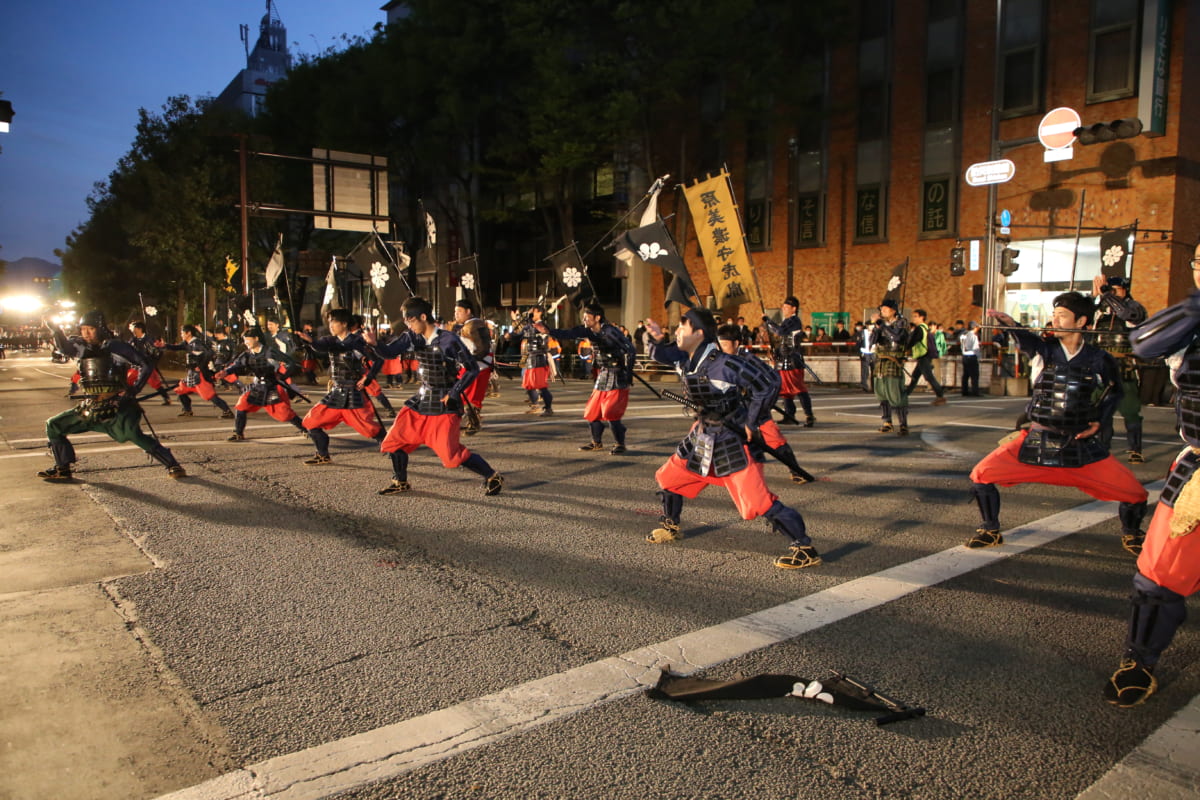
{"points": [[489, 111]]}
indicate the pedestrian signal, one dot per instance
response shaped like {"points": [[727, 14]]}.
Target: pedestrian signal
{"points": [[1008, 261]]}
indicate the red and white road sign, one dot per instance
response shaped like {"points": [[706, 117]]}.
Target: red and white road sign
{"points": [[1057, 128]]}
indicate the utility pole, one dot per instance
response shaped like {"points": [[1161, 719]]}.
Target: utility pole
{"points": [[791, 216]]}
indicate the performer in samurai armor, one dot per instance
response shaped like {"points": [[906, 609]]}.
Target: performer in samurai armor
{"points": [[1076, 386], [730, 394], [729, 339], [198, 379], [1168, 568], [891, 337], [308, 359], [614, 359], [477, 338], [142, 342], [268, 369], [1116, 314], [222, 354], [374, 366], [109, 404], [789, 362], [537, 357], [345, 401], [431, 416]]}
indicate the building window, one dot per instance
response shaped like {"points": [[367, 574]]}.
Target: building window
{"points": [[1112, 55], [874, 121], [1021, 50], [943, 118], [758, 186]]}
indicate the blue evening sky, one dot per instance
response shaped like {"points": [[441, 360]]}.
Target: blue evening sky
{"points": [[76, 73]]}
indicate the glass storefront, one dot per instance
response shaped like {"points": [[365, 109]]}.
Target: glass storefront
{"points": [[1045, 269]]}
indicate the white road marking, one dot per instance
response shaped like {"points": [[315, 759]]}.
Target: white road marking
{"points": [[387, 752]]}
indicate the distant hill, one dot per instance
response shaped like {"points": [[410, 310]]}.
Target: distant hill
{"points": [[19, 274]]}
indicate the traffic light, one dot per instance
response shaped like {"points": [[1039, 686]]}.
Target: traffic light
{"points": [[1008, 261], [1109, 131], [958, 266]]}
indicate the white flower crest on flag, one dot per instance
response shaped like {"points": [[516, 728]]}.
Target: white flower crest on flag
{"points": [[572, 277], [151, 311], [467, 281], [328, 294], [894, 283], [650, 251], [1113, 255], [248, 316], [430, 228], [379, 275]]}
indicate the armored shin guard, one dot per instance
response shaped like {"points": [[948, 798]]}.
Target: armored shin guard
{"points": [[64, 452], [239, 423], [1131, 515], [788, 522], [672, 505], [618, 429], [547, 398], [533, 395], [987, 496], [320, 440], [477, 465], [383, 401], [1133, 436], [221, 404], [163, 456], [902, 413], [885, 411], [1157, 613], [806, 403], [1106, 433], [186, 402], [399, 465], [789, 407], [597, 429]]}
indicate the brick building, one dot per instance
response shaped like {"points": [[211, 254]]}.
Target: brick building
{"points": [[906, 106]]}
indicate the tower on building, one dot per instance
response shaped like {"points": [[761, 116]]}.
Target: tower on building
{"points": [[267, 62]]}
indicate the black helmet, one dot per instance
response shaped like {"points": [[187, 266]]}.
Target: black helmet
{"points": [[93, 319]]}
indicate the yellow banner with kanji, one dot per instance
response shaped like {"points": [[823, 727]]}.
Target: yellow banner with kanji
{"points": [[719, 227]]}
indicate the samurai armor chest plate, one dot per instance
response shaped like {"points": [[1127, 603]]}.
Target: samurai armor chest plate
{"points": [[1187, 400], [437, 372], [719, 400], [1181, 472], [99, 410], [428, 401], [262, 393], [100, 375], [344, 396], [1052, 449], [712, 447], [345, 367], [193, 378], [889, 361], [610, 378], [1064, 398], [537, 351]]}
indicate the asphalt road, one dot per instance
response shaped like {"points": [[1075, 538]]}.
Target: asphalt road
{"points": [[312, 620]]}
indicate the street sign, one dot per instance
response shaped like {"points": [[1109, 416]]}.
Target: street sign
{"points": [[1057, 128], [987, 172], [1005, 217]]}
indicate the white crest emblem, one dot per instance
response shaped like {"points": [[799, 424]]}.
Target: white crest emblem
{"points": [[151, 311], [813, 691], [328, 294], [379, 275], [572, 277], [1113, 255], [650, 251], [467, 281], [894, 283]]}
